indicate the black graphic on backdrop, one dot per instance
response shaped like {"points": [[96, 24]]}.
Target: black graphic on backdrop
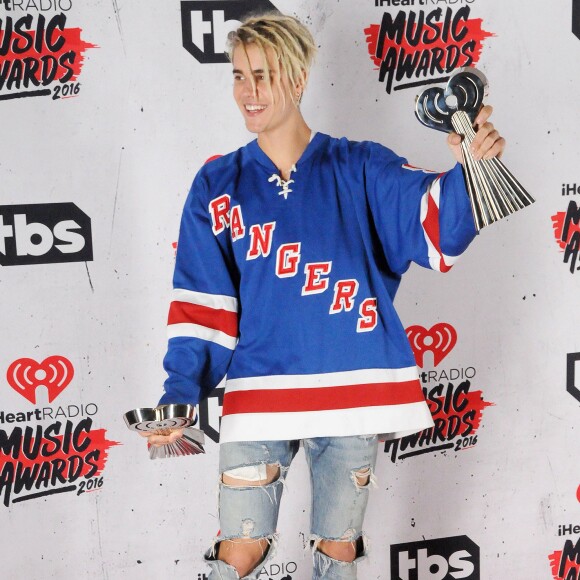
{"points": [[571, 387], [44, 234], [440, 559], [205, 25]]}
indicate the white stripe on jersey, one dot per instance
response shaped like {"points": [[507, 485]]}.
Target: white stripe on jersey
{"points": [[197, 331], [339, 379], [407, 418], [216, 301]]}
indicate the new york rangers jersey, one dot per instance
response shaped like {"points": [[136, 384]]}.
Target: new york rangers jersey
{"points": [[287, 287]]}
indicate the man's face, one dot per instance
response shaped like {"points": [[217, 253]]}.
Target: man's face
{"points": [[266, 104]]}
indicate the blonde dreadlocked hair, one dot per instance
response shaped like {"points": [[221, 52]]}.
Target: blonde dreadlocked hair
{"points": [[290, 40]]}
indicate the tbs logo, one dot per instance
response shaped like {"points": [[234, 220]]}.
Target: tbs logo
{"points": [[441, 559], [44, 234], [205, 25]]}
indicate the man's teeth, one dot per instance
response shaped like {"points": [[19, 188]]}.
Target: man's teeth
{"points": [[255, 107]]}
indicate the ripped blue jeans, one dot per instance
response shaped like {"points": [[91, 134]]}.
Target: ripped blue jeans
{"points": [[341, 472]]}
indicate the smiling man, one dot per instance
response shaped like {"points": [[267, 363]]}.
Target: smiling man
{"points": [[290, 253]]}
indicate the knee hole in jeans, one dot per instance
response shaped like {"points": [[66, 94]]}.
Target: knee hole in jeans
{"points": [[362, 477], [346, 549], [244, 554], [251, 475]]}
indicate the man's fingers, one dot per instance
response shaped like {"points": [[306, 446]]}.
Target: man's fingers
{"points": [[454, 139], [483, 115], [158, 440], [496, 150], [487, 142]]}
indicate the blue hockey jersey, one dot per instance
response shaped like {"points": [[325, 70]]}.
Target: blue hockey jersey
{"points": [[287, 288]]}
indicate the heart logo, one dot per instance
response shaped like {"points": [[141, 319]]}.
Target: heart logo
{"points": [[465, 91], [439, 339], [25, 375]]}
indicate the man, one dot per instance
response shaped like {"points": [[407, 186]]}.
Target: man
{"points": [[290, 253]]}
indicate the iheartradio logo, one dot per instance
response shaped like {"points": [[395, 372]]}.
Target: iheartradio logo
{"points": [[439, 339], [25, 375]]}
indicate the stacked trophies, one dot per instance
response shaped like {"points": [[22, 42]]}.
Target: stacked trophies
{"points": [[161, 421]]}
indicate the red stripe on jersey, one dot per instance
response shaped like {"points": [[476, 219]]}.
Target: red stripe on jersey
{"points": [[322, 399], [431, 227], [186, 313]]}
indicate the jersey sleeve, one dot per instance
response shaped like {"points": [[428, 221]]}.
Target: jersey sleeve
{"points": [[203, 314], [420, 216]]}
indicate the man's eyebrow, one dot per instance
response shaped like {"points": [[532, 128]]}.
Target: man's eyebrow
{"points": [[257, 71]]}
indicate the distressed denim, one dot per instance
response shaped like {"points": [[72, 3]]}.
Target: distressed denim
{"points": [[338, 500]]}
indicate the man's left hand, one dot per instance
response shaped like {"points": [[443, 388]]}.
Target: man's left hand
{"points": [[487, 142]]}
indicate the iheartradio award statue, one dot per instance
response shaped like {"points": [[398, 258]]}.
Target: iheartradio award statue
{"points": [[161, 420], [493, 191]]}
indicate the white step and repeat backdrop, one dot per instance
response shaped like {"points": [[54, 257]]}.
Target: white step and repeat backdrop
{"points": [[107, 110]]}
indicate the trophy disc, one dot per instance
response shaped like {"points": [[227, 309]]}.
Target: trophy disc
{"points": [[465, 92], [161, 418]]}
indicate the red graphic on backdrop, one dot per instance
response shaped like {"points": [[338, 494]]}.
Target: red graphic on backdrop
{"points": [[25, 375], [457, 414], [566, 563], [36, 51], [567, 233], [458, 411], [422, 47], [58, 458], [439, 339]]}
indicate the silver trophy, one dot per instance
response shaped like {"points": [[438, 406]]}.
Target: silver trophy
{"points": [[493, 191], [162, 420]]}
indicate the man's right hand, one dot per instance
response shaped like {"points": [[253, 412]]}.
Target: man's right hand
{"points": [[159, 440]]}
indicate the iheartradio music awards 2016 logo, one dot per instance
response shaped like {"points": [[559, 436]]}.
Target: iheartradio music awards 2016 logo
{"points": [[415, 47], [41, 54], [565, 563], [566, 225], [51, 449], [456, 407]]}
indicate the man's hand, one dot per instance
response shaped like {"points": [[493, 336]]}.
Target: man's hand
{"points": [[160, 440], [487, 143]]}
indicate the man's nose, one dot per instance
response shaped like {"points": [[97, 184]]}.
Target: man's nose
{"points": [[248, 89]]}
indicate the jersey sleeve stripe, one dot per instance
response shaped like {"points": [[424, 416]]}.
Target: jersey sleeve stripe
{"points": [[216, 301], [430, 222], [187, 330], [221, 320]]}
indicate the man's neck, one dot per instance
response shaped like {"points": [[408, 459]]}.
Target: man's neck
{"points": [[285, 146]]}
